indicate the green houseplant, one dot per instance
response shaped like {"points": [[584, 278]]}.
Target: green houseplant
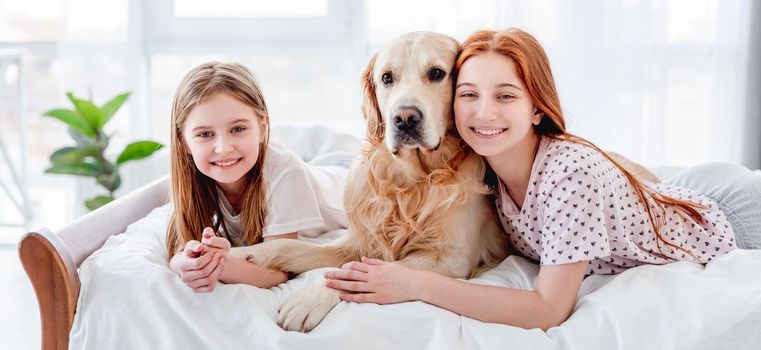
{"points": [[87, 157]]}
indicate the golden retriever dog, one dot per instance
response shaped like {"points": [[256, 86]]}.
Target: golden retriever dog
{"points": [[415, 195]]}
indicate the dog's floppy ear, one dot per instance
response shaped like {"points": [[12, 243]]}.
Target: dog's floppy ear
{"points": [[370, 106], [454, 42]]}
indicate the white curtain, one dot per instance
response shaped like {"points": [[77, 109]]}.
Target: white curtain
{"points": [[752, 124], [662, 82]]}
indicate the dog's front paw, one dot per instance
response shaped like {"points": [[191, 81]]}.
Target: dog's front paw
{"points": [[256, 254], [264, 258], [241, 252], [306, 308]]}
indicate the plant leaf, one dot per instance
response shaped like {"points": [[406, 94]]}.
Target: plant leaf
{"points": [[72, 119], [110, 108], [88, 111], [80, 168], [97, 202], [68, 155], [109, 167], [82, 140], [102, 140], [138, 150], [117, 182], [106, 180], [110, 182]]}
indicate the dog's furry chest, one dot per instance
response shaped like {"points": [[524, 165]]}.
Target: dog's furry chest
{"points": [[420, 204], [400, 207], [412, 219]]}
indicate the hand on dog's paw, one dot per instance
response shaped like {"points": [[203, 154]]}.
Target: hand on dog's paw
{"points": [[306, 308]]}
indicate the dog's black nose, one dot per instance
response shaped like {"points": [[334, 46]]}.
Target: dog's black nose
{"points": [[407, 118]]}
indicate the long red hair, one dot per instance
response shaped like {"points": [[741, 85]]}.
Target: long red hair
{"points": [[533, 69]]}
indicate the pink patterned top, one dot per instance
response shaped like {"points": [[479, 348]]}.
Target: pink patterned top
{"points": [[580, 207]]}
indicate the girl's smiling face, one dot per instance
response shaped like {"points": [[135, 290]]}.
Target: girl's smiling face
{"points": [[493, 112], [223, 135]]}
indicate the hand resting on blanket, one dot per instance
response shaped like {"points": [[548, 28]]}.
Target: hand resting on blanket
{"points": [[200, 264]]}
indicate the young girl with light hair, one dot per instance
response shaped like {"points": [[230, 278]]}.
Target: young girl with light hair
{"points": [[231, 186]]}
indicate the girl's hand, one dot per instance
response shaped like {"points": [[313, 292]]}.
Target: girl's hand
{"points": [[198, 266], [214, 243], [374, 281]]}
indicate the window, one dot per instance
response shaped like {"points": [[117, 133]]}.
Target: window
{"points": [[30, 21], [247, 8], [329, 26]]}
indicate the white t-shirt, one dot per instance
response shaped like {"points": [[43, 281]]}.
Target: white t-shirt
{"points": [[300, 197]]}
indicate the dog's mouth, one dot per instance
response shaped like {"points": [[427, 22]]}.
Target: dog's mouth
{"points": [[429, 150], [409, 140], [414, 143]]}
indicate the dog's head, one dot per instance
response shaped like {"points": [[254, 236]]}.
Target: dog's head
{"points": [[407, 98]]}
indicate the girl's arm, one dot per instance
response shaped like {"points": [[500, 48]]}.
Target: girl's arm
{"points": [[238, 270], [549, 305]]}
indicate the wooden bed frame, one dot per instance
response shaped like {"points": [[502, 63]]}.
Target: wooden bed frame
{"points": [[51, 259]]}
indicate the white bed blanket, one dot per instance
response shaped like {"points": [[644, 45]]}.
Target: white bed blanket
{"points": [[130, 300]]}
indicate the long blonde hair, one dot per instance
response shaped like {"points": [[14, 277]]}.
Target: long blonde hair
{"points": [[195, 197], [533, 69]]}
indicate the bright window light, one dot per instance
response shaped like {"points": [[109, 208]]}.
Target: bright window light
{"points": [[30, 21], [248, 8]]}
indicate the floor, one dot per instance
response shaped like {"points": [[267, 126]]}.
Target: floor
{"points": [[20, 328]]}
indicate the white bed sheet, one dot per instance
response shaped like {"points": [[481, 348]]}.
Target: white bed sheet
{"points": [[130, 300]]}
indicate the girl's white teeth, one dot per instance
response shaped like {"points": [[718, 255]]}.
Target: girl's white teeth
{"points": [[226, 163], [488, 132]]}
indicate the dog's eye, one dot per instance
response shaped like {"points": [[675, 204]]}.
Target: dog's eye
{"points": [[436, 74], [387, 78]]}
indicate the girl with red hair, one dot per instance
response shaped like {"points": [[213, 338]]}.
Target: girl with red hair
{"points": [[562, 201]]}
